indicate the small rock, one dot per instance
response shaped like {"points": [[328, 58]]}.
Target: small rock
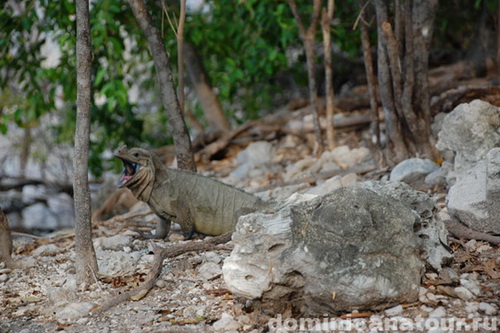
{"points": [[436, 177], [448, 275], [116, 242], [161, 284], [464, 293], [394, 311], [347, 158], [226, 323], [413, 171], [3, 277], [74, 311], [471, 307], [189, 312], [471, 285], [48, 250], [333, 184], [211, 257], [5, 270], [209, 270], [439, 312], [488, 309]]}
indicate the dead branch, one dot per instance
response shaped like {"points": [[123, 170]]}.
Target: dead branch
{"points": [[461, 231], [160, 255], [449, 99], [275, 123], [314, 178]]}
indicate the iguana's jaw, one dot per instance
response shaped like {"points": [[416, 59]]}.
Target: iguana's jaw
{"points": [[130, 169]]}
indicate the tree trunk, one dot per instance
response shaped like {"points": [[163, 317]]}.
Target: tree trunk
{"points": [[370, 78], [326, 18], [86, 262], [402, 72], [180, 46], [308, 38], [5, 241], [176, 124], [204, 93]]}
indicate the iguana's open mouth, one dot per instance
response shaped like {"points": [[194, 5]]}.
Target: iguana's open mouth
{"points": [[130, 169]]}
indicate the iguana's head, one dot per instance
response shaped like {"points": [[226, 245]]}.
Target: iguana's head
{"points": [[138, 171]]}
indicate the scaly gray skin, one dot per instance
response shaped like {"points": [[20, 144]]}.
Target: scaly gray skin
{"points": [[196, 202]]}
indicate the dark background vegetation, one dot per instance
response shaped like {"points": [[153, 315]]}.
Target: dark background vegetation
{"points": [[250, 49]]}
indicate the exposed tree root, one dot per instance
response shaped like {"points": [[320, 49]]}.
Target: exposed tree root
{"points": [[160, 254]]}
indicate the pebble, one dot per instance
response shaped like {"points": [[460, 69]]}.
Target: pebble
{"points": [[394, 311], [488, 309], [463, 293], [471, 307], [438, 312], [226, 323], [4, 277], [73, 311], [471, 285], [161, 283], [209, 270], [5, 270], [47, 250], [426, 308]]}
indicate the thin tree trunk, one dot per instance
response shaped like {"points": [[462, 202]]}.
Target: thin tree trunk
{"points": [[180, 47], [85, 261], [25, 151], [498, 38], [5, 241], [395, 143], [370, 78], [423, 13], [176, 124], [327, 16], [208, 100], [308, 38]]}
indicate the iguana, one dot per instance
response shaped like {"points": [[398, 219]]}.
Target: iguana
{"points": [[198, 203]]}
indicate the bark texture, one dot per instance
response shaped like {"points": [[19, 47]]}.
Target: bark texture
{"points": [[5, 241], [85, 261], [208, 100], [308, 37], [326, 18], [404, 36], [176, 124]]}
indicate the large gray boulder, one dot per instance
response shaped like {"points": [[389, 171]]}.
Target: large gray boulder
{"points": [[350, 249], [475, 198], [471, 130], [429, 228]]}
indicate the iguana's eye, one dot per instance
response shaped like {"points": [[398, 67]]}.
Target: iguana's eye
{"points": [[136, 154]]}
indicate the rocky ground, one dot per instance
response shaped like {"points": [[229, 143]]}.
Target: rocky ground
{"points": [[191, 294]]}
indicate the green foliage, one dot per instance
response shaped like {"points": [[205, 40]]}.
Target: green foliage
{"points": [[244, 47]]}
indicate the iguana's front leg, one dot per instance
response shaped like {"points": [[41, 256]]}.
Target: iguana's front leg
{"points": [[162, 228], [184, 218]]}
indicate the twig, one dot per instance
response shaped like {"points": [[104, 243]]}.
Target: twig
{"points": [[160, 255]]}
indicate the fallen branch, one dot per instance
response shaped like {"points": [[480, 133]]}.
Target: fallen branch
{"points": [[314, 178], [160, 255], [461, 231]]}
